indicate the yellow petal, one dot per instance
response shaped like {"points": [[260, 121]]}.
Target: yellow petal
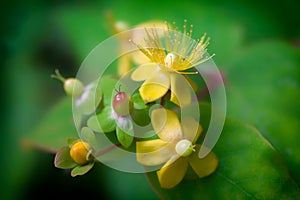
{"points": [[204, 166], [139, 58], [143, 71], [124, 65], [172, 173], [152, 152], [155, 86], [180, 90], [191, 129], [166, 124]]}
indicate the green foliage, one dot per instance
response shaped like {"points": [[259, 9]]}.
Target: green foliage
{"points": [[82, 169], [124, 138], [63, 159], [263, 89], [138, 101], [249, 168], [108, 85], [54, 130], [103, 122], [87, 135], [265, 92]]}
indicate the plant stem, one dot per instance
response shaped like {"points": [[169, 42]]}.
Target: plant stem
{"points": [[107, 149]]}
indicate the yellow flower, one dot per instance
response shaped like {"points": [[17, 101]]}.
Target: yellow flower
{"points": [[175, 147], [124, 63], [168, 60]]}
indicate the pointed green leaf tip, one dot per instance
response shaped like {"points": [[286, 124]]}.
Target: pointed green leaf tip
{"points": [[63, 159], [82, 169], [124, 138], [103, 122]]}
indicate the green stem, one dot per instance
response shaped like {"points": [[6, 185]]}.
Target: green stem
{"points": [[58, 76], [107, 149]]}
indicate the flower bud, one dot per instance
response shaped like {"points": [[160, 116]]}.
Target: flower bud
{"points": [[80, 153], [184, 148], [169, 60], [122, 104], [73, 87]]}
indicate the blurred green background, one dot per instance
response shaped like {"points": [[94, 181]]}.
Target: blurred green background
{"points": [[40, 36]]}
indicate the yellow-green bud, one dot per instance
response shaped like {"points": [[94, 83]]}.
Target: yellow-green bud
{"points": [[184, 148]]}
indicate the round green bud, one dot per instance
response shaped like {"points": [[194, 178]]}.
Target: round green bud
{"points": [[73, 87], [184, 148]]}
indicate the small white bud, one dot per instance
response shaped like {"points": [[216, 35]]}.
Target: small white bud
{"points": [[184, 148], [169, 60]]}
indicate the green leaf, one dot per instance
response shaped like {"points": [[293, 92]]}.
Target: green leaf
{"points": [[82, 169], [124, 138], [249, 168], [141, 117], [54, 130], [107, 84], [102, 122], [88, 136], [117, 179], [138, 101], [71, 141], [264, 89], [63, 159]]}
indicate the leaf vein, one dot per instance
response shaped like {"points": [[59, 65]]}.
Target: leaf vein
{"points": [[235, 185]]}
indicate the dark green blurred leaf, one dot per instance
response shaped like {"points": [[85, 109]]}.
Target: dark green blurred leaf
{"points": [[78, 22], [54, 130], [124, 138], [141, 117], [103, 121], [249, 168], [264, 89], [129, 185], [63, 159], [82, 169]]}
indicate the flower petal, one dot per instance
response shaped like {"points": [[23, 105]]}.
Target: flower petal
{"points": [[191, 129], [139, 58], [152, 152], [155, 86], [166, 124], [172, 173], [143, 71], [204, 166], [180, 90], [124, 65]]}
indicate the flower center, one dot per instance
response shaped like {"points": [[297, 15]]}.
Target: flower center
{"points": [[169, 60], [184, 148]]}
